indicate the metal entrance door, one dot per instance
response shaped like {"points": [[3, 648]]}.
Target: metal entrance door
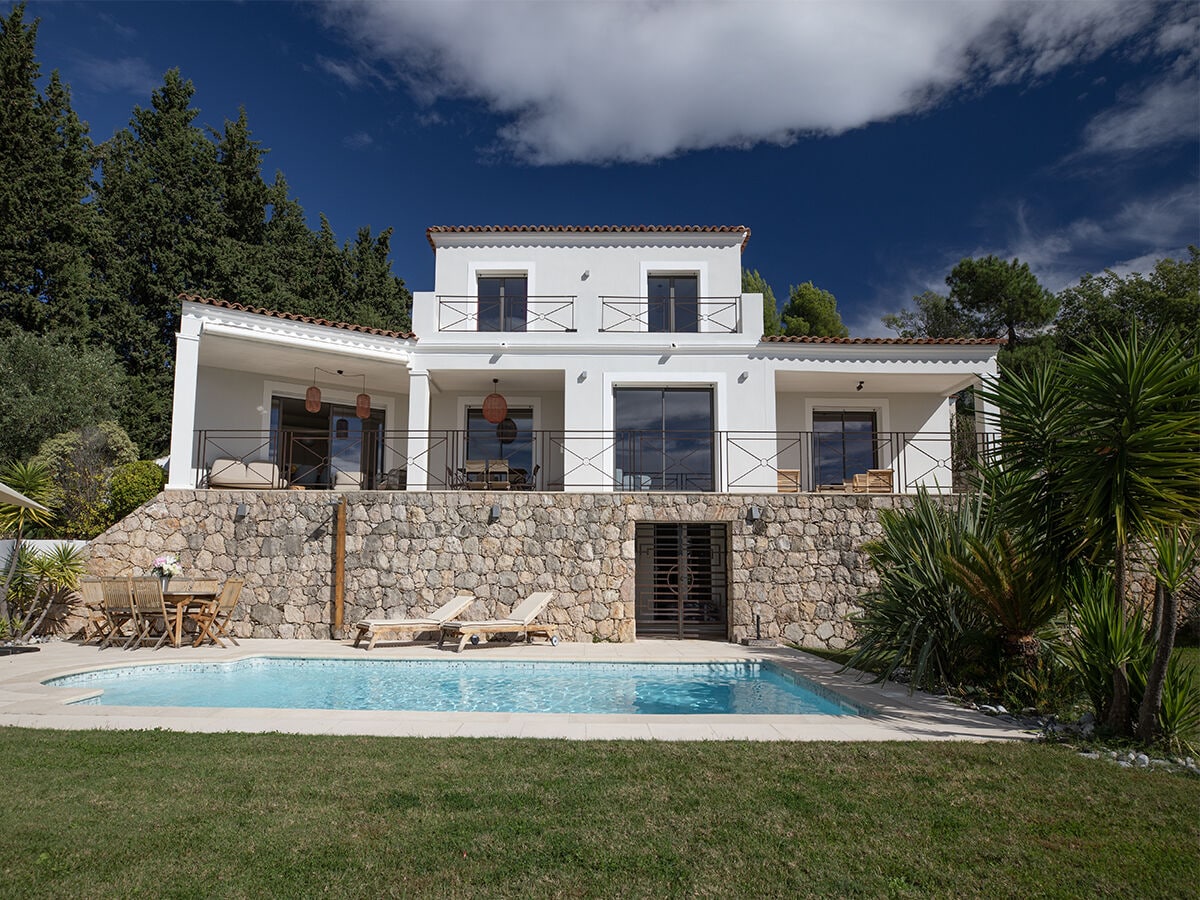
{"points": [[682, 579]]}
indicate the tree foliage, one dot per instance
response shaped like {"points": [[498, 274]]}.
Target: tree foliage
{"points": [[754, 283], [1004, 298], [81, 463], [178, 207], [932, 316], [1167, 301], [812, 312], [51, 385]]}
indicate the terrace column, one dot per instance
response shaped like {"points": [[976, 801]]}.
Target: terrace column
{"points": [[182, 476], [418, 431]]}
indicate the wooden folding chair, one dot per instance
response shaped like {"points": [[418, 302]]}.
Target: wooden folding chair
{"points": [[214, 619], [498, 474], [150, 612], [475, 475], [92, 595], [118, 611]]}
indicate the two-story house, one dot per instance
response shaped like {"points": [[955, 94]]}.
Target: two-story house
{"points": [[592, 410], [627, 359]]}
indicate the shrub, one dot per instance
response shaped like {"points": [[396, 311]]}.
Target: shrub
{"points": [[1179, 717], [81, 463], [918, 617], [1101, 638], [132, 485]]}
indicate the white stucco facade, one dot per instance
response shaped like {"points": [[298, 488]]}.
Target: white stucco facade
{"points": [[585, 331]]}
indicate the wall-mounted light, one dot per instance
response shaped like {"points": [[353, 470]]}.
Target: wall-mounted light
{"points": [[742, 378], [753, 514], [860, 386], [586, 274], [241, 512], [582, 376], [494, 513]]}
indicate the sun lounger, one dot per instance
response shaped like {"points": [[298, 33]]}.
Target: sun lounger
{"points": [[519, 621], [377, 628]]}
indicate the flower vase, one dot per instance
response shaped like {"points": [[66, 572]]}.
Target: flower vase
{"points": [[165, 581]]}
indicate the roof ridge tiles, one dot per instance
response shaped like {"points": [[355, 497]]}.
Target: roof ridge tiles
{"points": [[814, 339], [294, 317], [586, 229]]}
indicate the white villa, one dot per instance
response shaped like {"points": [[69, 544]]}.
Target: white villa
{"points": [[628, 359], [592, 411]]}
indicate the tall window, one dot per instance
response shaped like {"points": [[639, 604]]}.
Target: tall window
{"points": [[511, 440], [844, 445], [673, 303], [664, 439], [502, 302]]}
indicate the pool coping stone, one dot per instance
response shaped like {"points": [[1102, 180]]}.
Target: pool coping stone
{"points": [[897, 715]]}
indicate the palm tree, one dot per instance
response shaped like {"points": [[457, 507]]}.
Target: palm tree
{"points": [[1017, 587]]}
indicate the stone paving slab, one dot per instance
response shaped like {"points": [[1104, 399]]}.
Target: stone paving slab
{"points": [[895, 714]]}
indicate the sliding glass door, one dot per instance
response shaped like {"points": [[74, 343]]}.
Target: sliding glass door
{"points": [[664, 439]]}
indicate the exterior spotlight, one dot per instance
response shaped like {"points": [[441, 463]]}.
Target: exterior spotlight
{"points": [[860, 386]]}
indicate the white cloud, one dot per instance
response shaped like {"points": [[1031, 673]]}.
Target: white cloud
{"points": [[131, 75], [360, 140], [623, 81]]}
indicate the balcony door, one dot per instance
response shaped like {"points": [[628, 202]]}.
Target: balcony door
{"points": [[664, 439], [844, 445], [503, 302], [311, 449], [673, 303]]}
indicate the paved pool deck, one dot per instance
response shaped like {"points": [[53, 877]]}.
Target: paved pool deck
{"points": [[898, 716]]}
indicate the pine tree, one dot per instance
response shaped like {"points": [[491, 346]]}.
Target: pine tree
{"points": [[754, 283], [47, 232], [812, 312]]}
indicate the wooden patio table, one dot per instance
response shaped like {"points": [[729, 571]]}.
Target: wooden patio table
{"points": [[184, 597]]}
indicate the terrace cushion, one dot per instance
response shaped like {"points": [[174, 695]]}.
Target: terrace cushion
{"points": [[235, 473]]}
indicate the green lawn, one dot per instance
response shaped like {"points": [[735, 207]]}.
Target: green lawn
{"points": [[102, 814]]}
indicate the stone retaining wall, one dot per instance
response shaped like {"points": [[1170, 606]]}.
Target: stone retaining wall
{"points": [[799, 567]]}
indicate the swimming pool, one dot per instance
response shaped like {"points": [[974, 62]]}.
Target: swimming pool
{"points": [[750, 688]]}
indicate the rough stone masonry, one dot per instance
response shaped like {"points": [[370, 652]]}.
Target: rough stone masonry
{"points": [[800, 567]]}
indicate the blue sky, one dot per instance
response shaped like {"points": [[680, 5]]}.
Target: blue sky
{"points": [[868, 145]]}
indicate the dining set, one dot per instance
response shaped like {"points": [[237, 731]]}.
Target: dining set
{"points": [[130, 612], [495, 475]]}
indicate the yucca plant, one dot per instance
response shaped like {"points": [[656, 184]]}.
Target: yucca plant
{"points": [[41, 579], [1179, 713], [918, 617], [1103, 639], [35, 482]]}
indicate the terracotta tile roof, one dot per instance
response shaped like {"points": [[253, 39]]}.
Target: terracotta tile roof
{"points": [[803, 339], [586, 229], [296, 317]]}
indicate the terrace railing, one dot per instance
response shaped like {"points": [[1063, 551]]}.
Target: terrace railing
{"points": [[544, 312], [712, 315], [555, 460]]}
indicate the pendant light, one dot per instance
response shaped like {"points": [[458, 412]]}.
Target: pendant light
{"points": [[495, 407], [362, 403], [312, 397]]}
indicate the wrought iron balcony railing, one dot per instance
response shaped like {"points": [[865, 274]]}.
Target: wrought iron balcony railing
{"points": [[720, 315], [705, 461], [545, 312]]}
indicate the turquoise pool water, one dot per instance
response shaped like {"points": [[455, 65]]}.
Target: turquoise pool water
{"points": [[460, 686]]}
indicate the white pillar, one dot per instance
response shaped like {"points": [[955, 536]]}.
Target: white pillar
{"points": [[182, 475], [418, 431]]}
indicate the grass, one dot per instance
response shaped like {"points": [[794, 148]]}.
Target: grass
{"points": [[105, 814]]}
